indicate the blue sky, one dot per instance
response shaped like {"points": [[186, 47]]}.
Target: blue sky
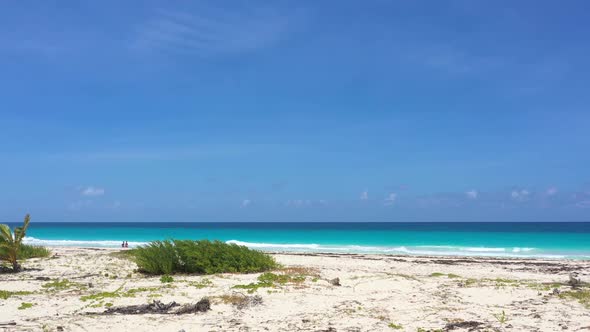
{"points": [[295, 111]]}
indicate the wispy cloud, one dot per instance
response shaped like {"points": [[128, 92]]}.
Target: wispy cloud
{"points": [[92, 191], [390, 199], [551, 191], [246, 203], [520, 195], [212, 31], [364, 195], [472, 194]]}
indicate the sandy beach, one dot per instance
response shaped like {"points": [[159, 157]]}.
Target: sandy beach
{"points": [[78, 288]]}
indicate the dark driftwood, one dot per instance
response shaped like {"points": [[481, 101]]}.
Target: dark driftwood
{"points": [[158, 307], [469, 325]]}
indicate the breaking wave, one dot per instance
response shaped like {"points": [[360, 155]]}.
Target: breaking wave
{"points": [[312, 247]]}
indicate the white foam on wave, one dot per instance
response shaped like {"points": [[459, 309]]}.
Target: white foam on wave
{"points": [[419, 250], [517, 249], [77, 243], [515, 252], [274, 245], [483, 249]]}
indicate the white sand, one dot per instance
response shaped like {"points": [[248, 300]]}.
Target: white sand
{"points": [[376, 291]]}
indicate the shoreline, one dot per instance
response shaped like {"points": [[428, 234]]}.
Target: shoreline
{"points": [[384, 255]]}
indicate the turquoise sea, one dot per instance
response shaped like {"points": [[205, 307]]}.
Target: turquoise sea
{"points": [[547, 240]]}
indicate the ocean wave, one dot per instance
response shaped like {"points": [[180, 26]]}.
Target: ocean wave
{"points": [[422, 250], [274, 245], [418, 250]]}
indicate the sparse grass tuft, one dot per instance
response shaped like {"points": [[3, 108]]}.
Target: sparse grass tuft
{"points": [[449, 275], [201, 284], [6, 294], [58, 285], [270, 279], [582, 295], [202, 257], [25, 305], [133, 291], [240, 301], [395, 326], [501, 317], [166, 279], [100, 296]]}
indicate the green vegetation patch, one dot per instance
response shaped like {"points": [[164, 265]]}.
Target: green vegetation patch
{"points": [[118, 293], [100, 296], [133, 291], [28, 251], [582, 295], [25, 305], [201, 284], [165, 279], [269, 279], [6, 294], [395, 326], [58, 285], [448, 275], [202, 257]]}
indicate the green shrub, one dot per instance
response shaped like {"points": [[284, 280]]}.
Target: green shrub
{"points": [[166, 279], [27, 251], [201, 257]]}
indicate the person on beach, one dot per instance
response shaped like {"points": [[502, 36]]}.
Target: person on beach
{"points": [[123, 244], [126, 244]]}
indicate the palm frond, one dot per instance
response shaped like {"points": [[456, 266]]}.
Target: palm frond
{"points": [[19, 232], [6, 234]]}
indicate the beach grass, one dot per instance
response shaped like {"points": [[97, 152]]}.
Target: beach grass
{"points": [[7, 294], [28, 251], [200, 257]]}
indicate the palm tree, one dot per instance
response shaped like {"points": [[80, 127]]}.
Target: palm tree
{"points": [[10, 243]]}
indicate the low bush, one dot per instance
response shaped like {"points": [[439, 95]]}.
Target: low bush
{"points": [[200, 257], [27, 251]]}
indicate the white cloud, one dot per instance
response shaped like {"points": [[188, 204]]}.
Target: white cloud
{"points": [[93, 191], [551, 191], [365, 195], [472, 194], [390, 199], [520, 195], [246, 203]]}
